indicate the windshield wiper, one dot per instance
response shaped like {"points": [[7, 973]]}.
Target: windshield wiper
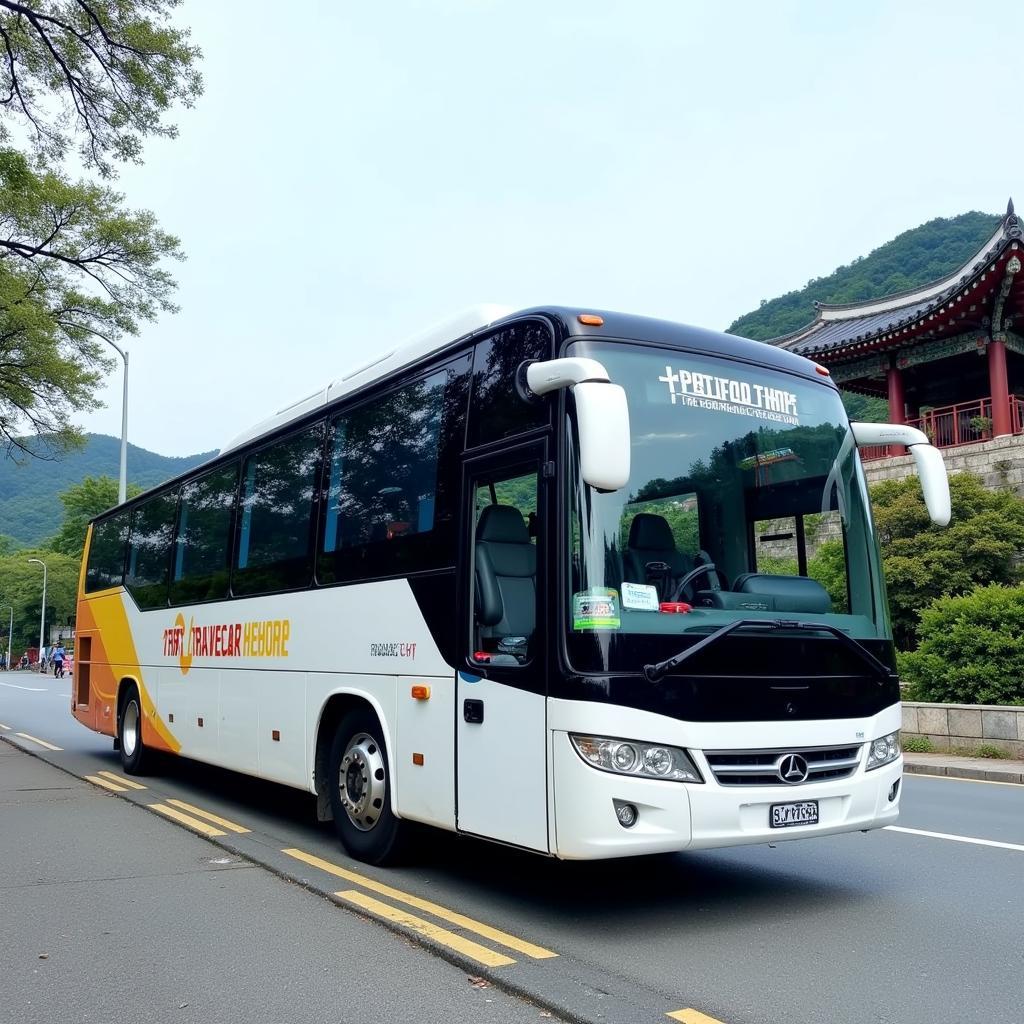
{"points": [[661, 668]]}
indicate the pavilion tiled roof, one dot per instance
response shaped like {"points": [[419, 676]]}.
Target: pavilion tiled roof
{"points": [[843, 328]]}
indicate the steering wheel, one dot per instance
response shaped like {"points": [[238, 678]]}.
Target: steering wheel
{"points": [[700, 570]]}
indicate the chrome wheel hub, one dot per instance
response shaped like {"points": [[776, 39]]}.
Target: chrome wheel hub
{"points": [[362, 781], [130, 728]]}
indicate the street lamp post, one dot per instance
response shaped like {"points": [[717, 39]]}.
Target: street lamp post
{"points": [[10, 634], [122, 483], [42, 613]]}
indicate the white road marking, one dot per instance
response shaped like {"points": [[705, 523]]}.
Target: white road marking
{"points": [[33, 689], [957, 778], [35, 739], [955, 839]]}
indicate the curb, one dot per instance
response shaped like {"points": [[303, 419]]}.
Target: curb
{"points": [[1010, 778]]}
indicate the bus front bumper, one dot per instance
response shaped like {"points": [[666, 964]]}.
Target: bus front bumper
{"points": [[672, 816]]}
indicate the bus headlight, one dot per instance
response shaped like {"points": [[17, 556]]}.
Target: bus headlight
{"points": [[884, 750], [631, 757]]}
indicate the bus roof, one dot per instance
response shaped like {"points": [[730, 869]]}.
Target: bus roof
{"points": [[476, 318]]}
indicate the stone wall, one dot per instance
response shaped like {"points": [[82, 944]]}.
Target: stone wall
{"points": [[966, 726], [999, 463]]}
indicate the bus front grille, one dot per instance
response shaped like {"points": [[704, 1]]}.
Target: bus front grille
{"points": [[765, 767]]}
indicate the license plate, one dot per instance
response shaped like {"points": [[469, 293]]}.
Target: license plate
{"points": [[786, 815]]}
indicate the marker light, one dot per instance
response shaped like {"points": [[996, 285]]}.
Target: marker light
{"points": [[631, 757], [884, 750], [591, 319], [823, 370]]}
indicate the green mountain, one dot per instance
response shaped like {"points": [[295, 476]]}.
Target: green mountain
{"points": [[30, 511], [911, 259]]}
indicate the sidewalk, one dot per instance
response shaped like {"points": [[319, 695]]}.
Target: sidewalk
{"points": [[108, 912], [951, 765]]}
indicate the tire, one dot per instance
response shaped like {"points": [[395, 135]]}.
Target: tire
{"points": [[136, 759], [360, 791]]}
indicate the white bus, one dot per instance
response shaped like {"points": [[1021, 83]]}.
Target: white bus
{"points": [[546, 578]]}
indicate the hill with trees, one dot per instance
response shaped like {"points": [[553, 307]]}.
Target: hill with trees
{"points": [[911, 259], [30, 512]]}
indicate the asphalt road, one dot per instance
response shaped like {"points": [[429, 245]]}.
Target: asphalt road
{"points": [[893, 927]]}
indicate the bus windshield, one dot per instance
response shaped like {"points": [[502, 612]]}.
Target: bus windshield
{"points": [[745, 500]]}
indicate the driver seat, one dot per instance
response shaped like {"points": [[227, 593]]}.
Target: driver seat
{"points": [[651, 540]]}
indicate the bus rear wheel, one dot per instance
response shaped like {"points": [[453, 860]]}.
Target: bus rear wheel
{"points": [[360, 790], [136, 759]]}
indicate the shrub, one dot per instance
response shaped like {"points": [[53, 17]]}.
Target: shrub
{"points": [[982, 544], [990, 750], [917, 744], [971, 649]]}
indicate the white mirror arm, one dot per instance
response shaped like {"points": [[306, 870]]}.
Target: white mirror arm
{"points": [[887, 433], [555, 374]]}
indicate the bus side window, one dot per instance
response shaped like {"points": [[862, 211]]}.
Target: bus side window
{"points": [[149, 550], [504, 569], [496, 410], [380, 514], [274, 549], [202, 546], [105, 567]]}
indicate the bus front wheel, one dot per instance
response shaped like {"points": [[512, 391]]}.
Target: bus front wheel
{"points": [[360, 790], [135, 758]]}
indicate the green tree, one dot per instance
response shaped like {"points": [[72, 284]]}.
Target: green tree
{"points": [[22, 587], [971, 651], [922, 562], [77, 267], [81, 503]]}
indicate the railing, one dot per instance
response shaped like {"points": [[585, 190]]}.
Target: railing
{"points": [[951, 425]]}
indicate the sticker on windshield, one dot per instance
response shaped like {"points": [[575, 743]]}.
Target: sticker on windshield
{"points": [[640, 597], [725, 394], [596, 608]]}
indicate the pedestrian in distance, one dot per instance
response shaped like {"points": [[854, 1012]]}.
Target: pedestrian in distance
{"points": [[58, 656]]}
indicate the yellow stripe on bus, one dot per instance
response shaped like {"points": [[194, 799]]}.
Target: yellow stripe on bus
{"points": [[481, 954], [34, 739], [216, 819], [105, 783], [127, 783], [483, 930], [193, 823]]}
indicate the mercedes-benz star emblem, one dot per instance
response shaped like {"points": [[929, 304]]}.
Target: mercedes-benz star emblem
{"points": [[793, 769]]}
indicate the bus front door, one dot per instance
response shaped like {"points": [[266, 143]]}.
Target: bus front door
{"points": [[501, 715]]}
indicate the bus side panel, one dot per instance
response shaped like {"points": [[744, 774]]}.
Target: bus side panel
{"points": [[423, 750], [282, 712]]}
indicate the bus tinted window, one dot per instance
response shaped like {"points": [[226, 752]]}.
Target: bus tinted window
{"points": [[275, 522], [496, 410], [105, 567], [202, 552], [382, 486], [149, 550]]}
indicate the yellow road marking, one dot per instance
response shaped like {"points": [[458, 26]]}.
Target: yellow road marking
{"points": [[127, 783], [467, 947], [200, 813], [105, 783], [193, 823], [484, 930], [692, 1016], [42, 743]]}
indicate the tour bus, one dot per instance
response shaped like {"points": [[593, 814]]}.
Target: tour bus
{"points": [[584, 583]]}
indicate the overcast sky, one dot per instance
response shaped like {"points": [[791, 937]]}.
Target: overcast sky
{"points": [[356, 172]]}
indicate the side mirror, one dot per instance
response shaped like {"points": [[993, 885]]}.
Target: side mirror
{"points": [[602, 415], [930, 468]]}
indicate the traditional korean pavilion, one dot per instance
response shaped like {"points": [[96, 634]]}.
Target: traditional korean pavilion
{"points": [[946, 354]]}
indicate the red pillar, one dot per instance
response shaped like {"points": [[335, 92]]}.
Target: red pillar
{"points": [[897, 403], [999, 388]]}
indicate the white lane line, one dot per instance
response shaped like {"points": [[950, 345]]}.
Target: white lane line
{"points": [[958, 778], [955, 839], [6, 728], [35, 739], [32, 689]]}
